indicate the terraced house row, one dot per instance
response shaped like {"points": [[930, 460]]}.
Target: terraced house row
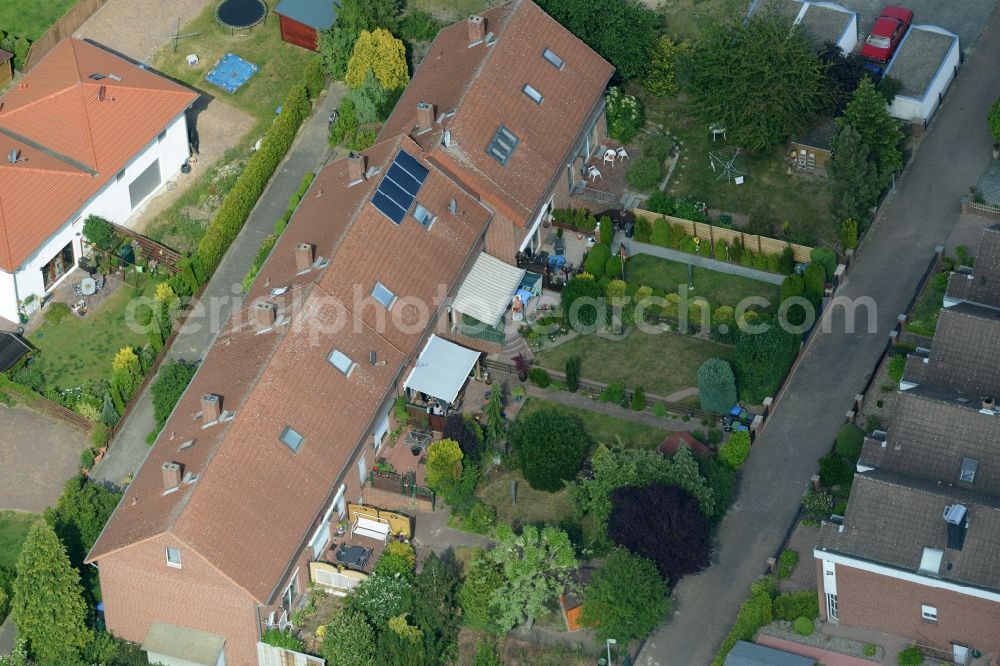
{"points": [[230, 517]]}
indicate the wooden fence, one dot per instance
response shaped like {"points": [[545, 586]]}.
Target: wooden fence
{"points": [[60, 30], [752, 242], [48, 407], [152, 250], [497, 367]]}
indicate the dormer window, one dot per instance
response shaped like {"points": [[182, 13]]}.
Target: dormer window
{"points": [[341, 361], [503, 144], [553, 59], [423, 216], [382, 294], [291, 438], [532, 94]]}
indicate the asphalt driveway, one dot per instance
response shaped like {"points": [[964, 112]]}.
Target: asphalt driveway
{"points": [[919, 216], [37, 456]]}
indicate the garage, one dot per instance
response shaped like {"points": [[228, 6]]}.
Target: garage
{"points": [[144, 184], [925, 64], [824, 22]]}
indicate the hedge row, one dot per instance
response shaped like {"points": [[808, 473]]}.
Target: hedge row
{"points": [[258, 261], [754, 614]]}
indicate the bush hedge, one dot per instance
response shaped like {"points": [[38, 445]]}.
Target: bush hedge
{"points": [[238, 204], [735, 449], [539, 377], [792, 605], [911, 656], [803, 626], [754, 614], [258, 262], [644, 173], [597, 260]]}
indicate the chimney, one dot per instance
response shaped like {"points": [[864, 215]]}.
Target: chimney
{"points": [[477, 29], [989, 404], [264, 315], [303, 257], [425, 115], [211, 407], [171, 475], [356, 167]]}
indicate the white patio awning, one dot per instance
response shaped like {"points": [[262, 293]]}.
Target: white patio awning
{"points": [[488, 289], [442, 369]]}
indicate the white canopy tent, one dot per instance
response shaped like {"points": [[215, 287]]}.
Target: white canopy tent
{"points": [[488, 289], [441, 369]]}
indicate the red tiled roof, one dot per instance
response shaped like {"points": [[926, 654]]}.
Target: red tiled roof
{"points": [[250, 509], [484, 85], [673, 442], [71, 143]]}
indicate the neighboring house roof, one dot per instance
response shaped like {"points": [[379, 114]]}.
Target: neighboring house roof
{"points": [[935, 440], [12, 350], [891, 518], [484, 85], [255, 498], [982, 287], [965, 357], [5, 56], [319, 14], [673, 443], [826, 22], [750, 654], [73, 138]]}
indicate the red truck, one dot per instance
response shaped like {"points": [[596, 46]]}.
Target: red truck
{"points": [[887, 33]]}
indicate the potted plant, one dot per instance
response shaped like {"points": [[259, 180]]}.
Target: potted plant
{"points": [[517, 393], [341, 528], [521, 363]]}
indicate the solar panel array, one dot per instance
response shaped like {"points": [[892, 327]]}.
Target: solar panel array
{"points": [[399, 186]]}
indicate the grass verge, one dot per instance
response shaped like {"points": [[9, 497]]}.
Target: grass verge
{"points": [[717, 288], [14, 526], [31, 18]]}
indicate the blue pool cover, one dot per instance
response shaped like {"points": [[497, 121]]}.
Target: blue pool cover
{"points": [[231, 72]]}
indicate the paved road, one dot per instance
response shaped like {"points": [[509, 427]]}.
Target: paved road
{"points": [[919, 216], [635, 247], [310, 152]]}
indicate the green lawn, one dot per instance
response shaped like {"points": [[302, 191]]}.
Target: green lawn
{"points": [[533, 506], [451, 10], [603, 429], [769, 196], [31, 18], [80, 349], [717, 288], [14, 526], [687, 18], [280, 63], [660, 363]]}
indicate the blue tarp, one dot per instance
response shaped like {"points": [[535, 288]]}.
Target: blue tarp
{"points": [[231, 72]]}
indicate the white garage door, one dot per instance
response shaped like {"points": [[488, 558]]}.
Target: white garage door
{"points": [[145, 183]]}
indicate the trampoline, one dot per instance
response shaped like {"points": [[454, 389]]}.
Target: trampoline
{"points": [[231, 72], [240, 14]]}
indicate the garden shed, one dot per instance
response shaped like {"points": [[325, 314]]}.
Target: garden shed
{"points": [[824, 22], [6, 66], [811, 152], [925, 64], [302, 20], [12, 350]]}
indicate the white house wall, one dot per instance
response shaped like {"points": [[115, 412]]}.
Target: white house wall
{"points": [[112, 203], [945, 75], [849, 40], [907, 108]]}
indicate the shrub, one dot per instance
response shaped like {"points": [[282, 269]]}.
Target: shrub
{"points": [[444, 464], [258, 262], [313, 78], [787, 562], [624, 115], [791, 605], [644, 173], [573, 364], [614, 393], [754, 613], [897, 365], [171, 380], [911, 656], [762, 360], [419, 26], [826, 258], [849, 234], [613, 268], [817, 504], [606, 231], [659, 409], [869, 649], [850, 439], [539, 377], [835, 471], [282, 639], [690, 210], [735, 450], [786, 262], [549, 446], [720, 251], [87, 458], [661, 233], [803, 626], [643, 230], [589, 313], [100, 232], [716, 386], [658, 146], [597, 260], [56, 312], [993, 120], [660, 202], [815, 283], [480, 518], [638, 399], [99, 434]]}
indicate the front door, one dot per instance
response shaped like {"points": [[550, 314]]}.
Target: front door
{"points": [[60, 264], [381, 429], [959, 653]]}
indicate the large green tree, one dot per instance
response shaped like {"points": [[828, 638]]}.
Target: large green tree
{"points": [[534, 567], [760, 80], [48, 604], [762, 360], [868, 113], [626, 599], [482, 578], [854, 179], [550, 446], [435, 608], [336, 45], [621, 31], [716, 386]]}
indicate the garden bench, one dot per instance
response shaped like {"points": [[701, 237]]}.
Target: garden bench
{"points": [[372, 529]]}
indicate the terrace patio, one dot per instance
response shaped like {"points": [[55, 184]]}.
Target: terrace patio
{"points": [[602, 183]]}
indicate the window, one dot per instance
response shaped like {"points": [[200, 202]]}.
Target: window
{"points": [[341, 361], [832, 611], [535, 96], [423, 216], [929, 613], [174, 557], [553, 59], [291, 592], [383, 295], [503, 144], [291, 438]]}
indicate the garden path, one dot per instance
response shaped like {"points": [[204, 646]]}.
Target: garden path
{"points": [[224, 292], [834, 365], [607, 409], [433, 532], [633, 247]]}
